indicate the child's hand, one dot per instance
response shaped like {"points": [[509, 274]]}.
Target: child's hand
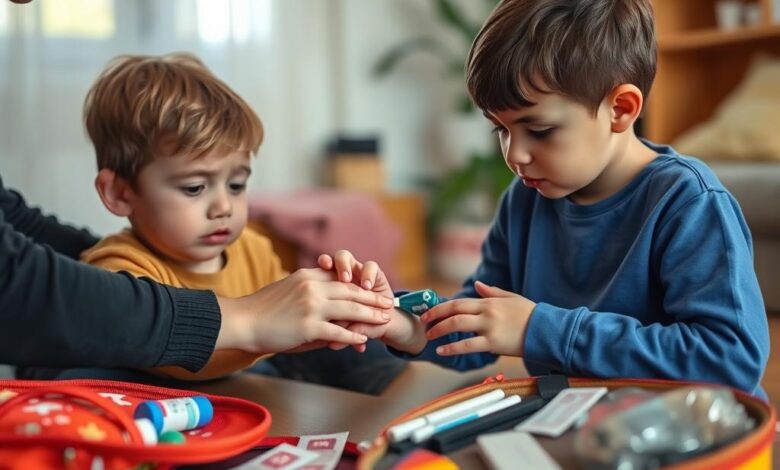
{"points": [[403, 332], [299, 312], [367, 275], [499, 320]]}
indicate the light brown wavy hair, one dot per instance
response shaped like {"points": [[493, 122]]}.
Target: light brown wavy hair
{"points": [[142, 107], [581, 49]]}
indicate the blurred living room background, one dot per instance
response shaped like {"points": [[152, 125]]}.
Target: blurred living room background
{"points": [[308, 68], [371, 143]]}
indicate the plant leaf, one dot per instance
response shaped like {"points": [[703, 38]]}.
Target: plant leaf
{"points": [[492, 4], [457, 65], [390, 59], [502, 178], [455, 18], [450, 190], [465, 105]]}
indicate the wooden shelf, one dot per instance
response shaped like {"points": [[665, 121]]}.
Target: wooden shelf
{"points": [[716, 37], [699, 64]]}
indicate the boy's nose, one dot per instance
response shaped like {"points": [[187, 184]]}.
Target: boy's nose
{"points": [[220, 206], [517, 156]]}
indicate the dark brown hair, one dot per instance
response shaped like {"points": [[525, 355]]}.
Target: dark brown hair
{"points": [[142, 106], [579, 48]]}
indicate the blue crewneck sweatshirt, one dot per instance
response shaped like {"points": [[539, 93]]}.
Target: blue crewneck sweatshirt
{"points": [[656, 281]]}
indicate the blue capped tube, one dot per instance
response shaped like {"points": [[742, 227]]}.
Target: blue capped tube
{"points": [[417, 302], [176, 414]]}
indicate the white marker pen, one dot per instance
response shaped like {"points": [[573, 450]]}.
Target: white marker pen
{"points": [[399, 432], [429, 430]]}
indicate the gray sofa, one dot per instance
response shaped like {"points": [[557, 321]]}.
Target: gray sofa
{"points": [[757, 189]]}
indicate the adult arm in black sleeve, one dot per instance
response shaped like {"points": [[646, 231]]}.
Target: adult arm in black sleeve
{"points": [[57, 312], [31, 222]]}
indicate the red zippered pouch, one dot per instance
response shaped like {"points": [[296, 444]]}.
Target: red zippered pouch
{"points": [[83, 424]]}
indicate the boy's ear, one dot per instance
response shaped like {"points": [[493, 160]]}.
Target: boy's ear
{"points": [[114, 191], [625, 103]]}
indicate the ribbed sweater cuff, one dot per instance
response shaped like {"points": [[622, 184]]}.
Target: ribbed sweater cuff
{"points": [[550, 335], [194, 330]]}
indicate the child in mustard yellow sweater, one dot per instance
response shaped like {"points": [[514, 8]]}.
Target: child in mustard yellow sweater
{"points": [[173, 146]]}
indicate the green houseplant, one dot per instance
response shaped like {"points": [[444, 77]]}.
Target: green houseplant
{"points": [[484, 174]]}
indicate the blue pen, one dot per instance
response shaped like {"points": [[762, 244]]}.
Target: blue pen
{"points": [[429, 430]]}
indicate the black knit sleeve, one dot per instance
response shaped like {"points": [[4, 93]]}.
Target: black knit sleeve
{"points": [[57, 312]]}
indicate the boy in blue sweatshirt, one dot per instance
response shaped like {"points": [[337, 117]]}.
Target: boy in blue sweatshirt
{"points": [[609, 256]]}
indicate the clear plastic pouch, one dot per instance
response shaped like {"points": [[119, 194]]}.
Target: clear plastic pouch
{"points": [[634, 429]]}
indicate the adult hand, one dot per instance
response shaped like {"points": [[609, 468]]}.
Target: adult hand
{"points": [[297, 311]]}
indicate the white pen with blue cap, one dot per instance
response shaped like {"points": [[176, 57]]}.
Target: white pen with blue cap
{"points": [[429, 430], [399, 432]]}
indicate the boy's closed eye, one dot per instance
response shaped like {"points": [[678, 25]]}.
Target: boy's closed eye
{"points": [[537, 134], [192, 190], [541, 134], [238, 187]]}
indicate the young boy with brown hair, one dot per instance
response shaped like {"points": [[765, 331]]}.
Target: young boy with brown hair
{"points": [[173, 147], [609, 256]]}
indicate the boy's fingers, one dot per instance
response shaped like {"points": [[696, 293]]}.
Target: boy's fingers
{"points": [[325, 262], [464, 346], [450, 308], [370, 273], [345, 265], [485, 290], [457, 323]]}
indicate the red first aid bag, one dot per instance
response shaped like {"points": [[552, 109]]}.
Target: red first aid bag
{"points": [[85, 424]]}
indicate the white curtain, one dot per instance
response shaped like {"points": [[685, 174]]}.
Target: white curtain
{"points": [[52, 50], [303, 65]]}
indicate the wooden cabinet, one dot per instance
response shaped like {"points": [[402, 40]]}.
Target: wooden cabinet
{"points": [[699, 64], [407, 212]]}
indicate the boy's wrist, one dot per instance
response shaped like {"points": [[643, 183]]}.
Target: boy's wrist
{"points": [[414, 343]]}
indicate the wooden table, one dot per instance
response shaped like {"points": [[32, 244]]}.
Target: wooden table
{"points": [[299, 408]]}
